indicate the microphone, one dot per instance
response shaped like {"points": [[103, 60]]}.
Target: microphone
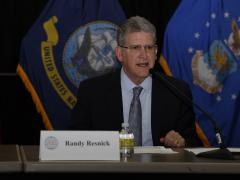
{"points": [[222, 152]]}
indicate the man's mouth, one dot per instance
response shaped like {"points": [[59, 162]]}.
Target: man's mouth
{"points": [[143, 64]]}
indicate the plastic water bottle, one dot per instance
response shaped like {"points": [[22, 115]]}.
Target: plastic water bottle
{"points": [[126, 139]]}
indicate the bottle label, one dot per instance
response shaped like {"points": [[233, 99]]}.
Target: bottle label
{"points": [[127, 143]]}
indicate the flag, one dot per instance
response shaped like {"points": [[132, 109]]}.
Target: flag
{"points": [[70, 41], [202, 46]]}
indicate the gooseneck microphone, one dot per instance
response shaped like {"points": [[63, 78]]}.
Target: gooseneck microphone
{"points": [[222, 152]]}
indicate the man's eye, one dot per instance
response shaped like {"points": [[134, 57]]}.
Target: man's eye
{"points": [[149, 47], [136, 47]]}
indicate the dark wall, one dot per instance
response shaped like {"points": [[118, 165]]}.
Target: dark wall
{"points": [[16, 18], [20, 123]]}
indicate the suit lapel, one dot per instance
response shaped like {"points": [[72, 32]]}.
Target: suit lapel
{"points": [[157, 108]]}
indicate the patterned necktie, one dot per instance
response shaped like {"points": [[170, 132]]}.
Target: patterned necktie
{"points": [[135, 116]]}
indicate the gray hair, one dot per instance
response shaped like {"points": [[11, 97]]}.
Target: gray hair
{"points": [[135, 24]]}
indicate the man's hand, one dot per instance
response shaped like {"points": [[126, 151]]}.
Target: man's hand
{"points": [[173, 139]]}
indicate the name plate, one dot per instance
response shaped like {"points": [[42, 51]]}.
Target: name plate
{"points": [[79, 145]]}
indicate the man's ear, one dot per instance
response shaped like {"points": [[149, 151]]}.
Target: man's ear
{"points": [[118, 53]]}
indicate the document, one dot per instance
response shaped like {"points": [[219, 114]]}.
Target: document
{"points": [[153, 150]]}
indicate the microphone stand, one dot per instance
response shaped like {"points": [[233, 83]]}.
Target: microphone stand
{"points": [[222, 152]]}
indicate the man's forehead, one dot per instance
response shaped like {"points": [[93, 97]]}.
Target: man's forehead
{"points": [[139, 37]]}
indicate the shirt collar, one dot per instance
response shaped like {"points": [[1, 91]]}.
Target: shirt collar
{"points": [[128, 85]]}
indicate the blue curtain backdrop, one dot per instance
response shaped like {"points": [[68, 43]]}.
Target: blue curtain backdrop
{"points": [[202, 47], [69, 42]]}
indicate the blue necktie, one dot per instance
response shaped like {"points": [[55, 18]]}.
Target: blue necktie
{"points": [[135, 116]]}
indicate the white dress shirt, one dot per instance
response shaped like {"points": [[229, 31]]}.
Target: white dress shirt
{"points": [[145, 97]]}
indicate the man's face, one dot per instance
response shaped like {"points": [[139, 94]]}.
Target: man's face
{"points": [[137, 55]]}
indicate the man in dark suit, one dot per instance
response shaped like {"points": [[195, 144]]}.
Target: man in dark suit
{"points": [[104, 101]]}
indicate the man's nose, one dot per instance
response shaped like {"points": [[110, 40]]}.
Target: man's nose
{"points": [[143, 52]]}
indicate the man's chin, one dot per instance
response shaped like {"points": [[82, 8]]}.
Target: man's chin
{"points": [[145, 72]]}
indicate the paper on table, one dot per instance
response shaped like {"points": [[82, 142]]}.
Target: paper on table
{"points": [[153, 150], [199, 150]]}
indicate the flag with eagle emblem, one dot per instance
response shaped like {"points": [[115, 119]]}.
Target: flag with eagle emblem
{"points": [[202, 47]]}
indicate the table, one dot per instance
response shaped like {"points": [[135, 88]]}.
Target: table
{"points": [[10, 159], [182, 162]]}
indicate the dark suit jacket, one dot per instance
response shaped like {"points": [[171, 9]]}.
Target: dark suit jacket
{"points": [[99, 107]]}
